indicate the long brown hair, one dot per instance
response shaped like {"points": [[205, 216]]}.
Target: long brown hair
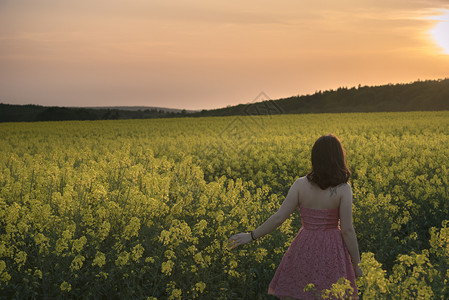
{"points": [[329, 167]]}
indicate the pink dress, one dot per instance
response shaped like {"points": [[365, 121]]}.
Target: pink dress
{"points": [[317, 255]]}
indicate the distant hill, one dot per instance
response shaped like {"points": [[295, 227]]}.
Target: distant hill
{"points": [[416, 96], [139, 108], [30, 113]]}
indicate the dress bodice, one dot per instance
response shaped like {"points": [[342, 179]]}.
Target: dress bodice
{"points": [[319, 219]]}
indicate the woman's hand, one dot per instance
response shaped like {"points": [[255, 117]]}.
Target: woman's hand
{"points": [[239, 239]]}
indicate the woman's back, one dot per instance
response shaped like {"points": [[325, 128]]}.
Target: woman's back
{"points": [[312, 196]]}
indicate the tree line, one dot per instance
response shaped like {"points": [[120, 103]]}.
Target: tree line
{"points": [[428, 95], [32, 113]]}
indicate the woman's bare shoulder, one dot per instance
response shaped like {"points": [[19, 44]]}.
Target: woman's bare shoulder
{"points": [[301, 181], [303, 178], [345, 186], [301, 184], [345, 189]]}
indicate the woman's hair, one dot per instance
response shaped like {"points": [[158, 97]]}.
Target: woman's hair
{"points": [[329, 167]]}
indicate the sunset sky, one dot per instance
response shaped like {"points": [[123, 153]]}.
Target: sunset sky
{"points": [[201, 54]]}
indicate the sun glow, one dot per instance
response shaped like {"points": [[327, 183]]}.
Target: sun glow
{"points": [[440, 32]]}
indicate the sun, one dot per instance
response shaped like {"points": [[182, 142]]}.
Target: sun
{"points": [[440, 32]]}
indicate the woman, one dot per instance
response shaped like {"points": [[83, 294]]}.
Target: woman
{"points": [[325, 248]]}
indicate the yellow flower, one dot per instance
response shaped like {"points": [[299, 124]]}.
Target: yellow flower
{"points": [[175, 294], [200, 286], [340, 290], [103, 230], [38, 273], [169, 254], [200, 226], [233, 264], [137, 252], [65, 286], [149, 260], [101, 213], [198, 258], [102, 275], [309, 287], [260, 254], [99, 260], [78, 244], [122, 259], [41, 241], [132, 229], [20, 258], [61, 245], [167, 266], [3, 251], [4, 276], [77, 262], [193, 269], [165, 237]]}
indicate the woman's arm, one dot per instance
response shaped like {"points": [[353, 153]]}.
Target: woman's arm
{"points": [[347, 229], [288, 206]]}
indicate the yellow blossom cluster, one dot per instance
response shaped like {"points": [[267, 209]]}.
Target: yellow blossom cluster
{"points": [[142, 209]]}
